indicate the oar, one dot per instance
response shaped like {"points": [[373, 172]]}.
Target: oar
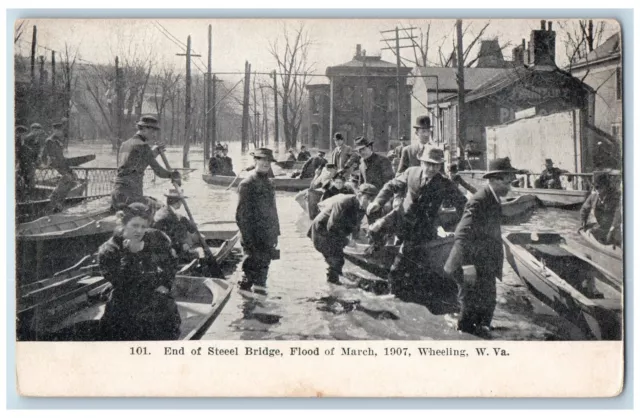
{"points": [[214, 267]]}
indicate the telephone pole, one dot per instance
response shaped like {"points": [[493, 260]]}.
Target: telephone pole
{"points": [[275, 108], [399, 86], [34, 38], [460, 79], [209, 133], [245, 107], [187, 103]]}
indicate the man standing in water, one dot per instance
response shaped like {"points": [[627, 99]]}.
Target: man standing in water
{"points": [[477, 255], [135, 156], [257, 219]]}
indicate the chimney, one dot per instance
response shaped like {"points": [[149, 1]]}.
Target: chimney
{"points": [[358, 50], [549, 25], [542, 46], [518, 56]]}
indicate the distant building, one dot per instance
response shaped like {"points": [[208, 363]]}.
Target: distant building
{"points": [[540, 86], [364, 102], [602, 70]]}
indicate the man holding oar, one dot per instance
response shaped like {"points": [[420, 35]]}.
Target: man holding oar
{"points": [[135, 156]]}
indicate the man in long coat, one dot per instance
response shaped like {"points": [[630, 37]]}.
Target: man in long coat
{"points": [[257, 219], [374, 169], [341, 153], [53, 156], [416, 219], [309, 168], [478, 247], [339, 217], [410, 156]]}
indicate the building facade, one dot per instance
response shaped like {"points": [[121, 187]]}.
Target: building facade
{"points": [[360, 99], [602, 70]]}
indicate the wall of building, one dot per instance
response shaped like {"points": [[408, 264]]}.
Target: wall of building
{"points": [[608, 102], [318, 135]]}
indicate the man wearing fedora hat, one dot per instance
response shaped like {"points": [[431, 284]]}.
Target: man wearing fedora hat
{"points": [[227, 162], [177, 227], [411, 153], [257, 219], [339, 217], [309, 168], [341, 153], [135, 156], [53, 156], [477, 255], [416, 220], [216, 165], [374, 168], [550, 176]]}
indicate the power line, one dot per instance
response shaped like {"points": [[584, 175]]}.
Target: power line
{"points": [[180, 44]]}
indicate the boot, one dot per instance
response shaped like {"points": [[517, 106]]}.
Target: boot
{"points": [[245, 284]]}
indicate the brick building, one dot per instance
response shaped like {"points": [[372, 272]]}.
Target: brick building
{"points": [[362, 94]]}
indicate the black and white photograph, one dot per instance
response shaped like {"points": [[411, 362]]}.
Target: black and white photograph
{"points": [[453, 180]]}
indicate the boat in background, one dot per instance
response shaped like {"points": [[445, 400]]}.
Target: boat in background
{"points": [[290, 164], [286, 184], [574, 287]]}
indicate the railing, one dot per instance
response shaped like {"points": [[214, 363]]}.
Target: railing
{"points": [[569, 181]]}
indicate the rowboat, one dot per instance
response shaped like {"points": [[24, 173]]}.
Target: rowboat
{"points": [[513, 209], [68, 306], [286, 184], [573, 286], [290, 164], [379, 262], [609, 257], [43, 189], [566, 199]]}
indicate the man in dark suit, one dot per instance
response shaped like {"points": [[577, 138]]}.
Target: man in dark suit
{"points": [[341, 153], [304, 155], [477, 255], [374, 169], [415, 221], [410, 156], [309, 168]]}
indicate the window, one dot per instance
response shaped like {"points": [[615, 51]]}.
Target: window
{"points": [[347, 95], [315, 135], [316, 101], [392, 102], [616, 131], [618, 83]]}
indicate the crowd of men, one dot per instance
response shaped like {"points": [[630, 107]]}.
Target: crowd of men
{"points": [[35, 148]]}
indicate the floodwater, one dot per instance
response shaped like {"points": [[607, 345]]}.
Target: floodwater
{"points": [[301, 305]]}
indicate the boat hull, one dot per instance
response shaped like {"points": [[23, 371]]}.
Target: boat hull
{"points": [[608, 257], [587, 296], [280, 183]]}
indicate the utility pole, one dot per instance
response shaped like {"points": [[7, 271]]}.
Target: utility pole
{"points": [[207, 106], [245, 107], [275, 108], [118, 109], [53, 71], [399, 85], [364, 93], [187, 104], [43, 80], [460, 79], [34, 38]]}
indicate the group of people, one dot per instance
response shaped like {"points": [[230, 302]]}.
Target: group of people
{"points": [[221, 164], [34, 148]]}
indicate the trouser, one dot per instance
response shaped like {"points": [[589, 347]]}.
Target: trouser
{"points": [[333, 253], [477, 301], [57, 197], [405, 268], [256, 265]]}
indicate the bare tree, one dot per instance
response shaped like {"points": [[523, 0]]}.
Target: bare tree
{"points": [[17, 34], [581, 37], [294, 69], [164, 90]]}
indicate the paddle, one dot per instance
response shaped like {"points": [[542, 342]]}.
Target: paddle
{"points": [[211, 262]]}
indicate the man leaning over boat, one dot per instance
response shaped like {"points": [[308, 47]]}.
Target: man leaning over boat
{"points": [[135, 156], [604, 203]]}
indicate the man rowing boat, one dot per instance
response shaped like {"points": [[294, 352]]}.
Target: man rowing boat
{"points": [[136, 156]]}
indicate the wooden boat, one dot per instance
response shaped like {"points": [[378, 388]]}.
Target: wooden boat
{"points": [[379, 262], [69, 305], [566, 199], [79, 160], [573, 286], [43, 189], [513, 209], [608, 257], [286, 184], [290, 165]]}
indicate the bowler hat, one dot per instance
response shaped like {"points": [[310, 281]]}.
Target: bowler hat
{"points": [[263, 153], [219, 147], [57, 125], [404, 138], [368, 188], [362, 142], [500, 166], [330, 165], [36, 126], [175, 194], [432, 155], [423, 122], [548, 161], [148, 122], [20, 129], [338, 136], [320, 152]]}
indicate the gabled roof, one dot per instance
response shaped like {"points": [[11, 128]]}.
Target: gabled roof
{"points": [[372, 62], [607, 50], [473, 77]]}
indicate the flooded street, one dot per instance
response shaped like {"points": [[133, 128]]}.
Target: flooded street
{"points": [[302, 305]]}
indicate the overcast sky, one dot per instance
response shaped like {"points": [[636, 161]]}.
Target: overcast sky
{"points": [[235, 40]]}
